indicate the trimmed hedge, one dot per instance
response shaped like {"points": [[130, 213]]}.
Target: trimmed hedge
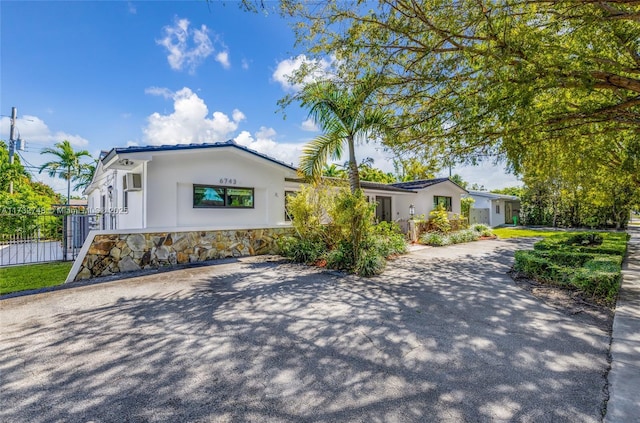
{"points": [[578, 261]]}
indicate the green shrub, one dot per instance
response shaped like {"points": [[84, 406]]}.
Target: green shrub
{"points": [[542, 268], [353, 216], [584, 239], [530, 263], [591, 262], [482, 229], [307, 209], [487, 233], [339, 227], [370, 263], [600, 285], [301, 250], [439, 219], [463, 236], [435, 239], [341, 256], [479, 227], [388, 239], [566, 257]]}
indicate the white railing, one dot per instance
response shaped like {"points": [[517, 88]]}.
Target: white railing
{"points": [[28, 248]]}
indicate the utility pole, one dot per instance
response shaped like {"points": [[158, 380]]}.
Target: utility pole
{"points": [[12, 143]]}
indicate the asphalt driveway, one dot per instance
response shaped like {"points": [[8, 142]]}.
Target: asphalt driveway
{"points": [[444, 335]]}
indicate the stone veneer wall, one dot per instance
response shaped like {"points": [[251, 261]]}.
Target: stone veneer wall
{"points": [[118, 253]]}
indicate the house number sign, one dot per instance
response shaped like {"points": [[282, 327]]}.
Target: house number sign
{"points": [[228, 181]]}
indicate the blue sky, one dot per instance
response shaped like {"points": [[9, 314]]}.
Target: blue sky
{"points": [[106, 74]]}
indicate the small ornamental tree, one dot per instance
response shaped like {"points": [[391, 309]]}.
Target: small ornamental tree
{"points": [[439, 219]]}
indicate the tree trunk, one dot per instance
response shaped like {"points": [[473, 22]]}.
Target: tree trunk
{"points": [[68, 186], [354, 177]]}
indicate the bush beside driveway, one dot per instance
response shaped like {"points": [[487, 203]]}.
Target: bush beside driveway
{"points": [[443, 335]]}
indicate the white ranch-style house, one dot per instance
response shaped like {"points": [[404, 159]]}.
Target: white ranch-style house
{"points": [[225, 186]]}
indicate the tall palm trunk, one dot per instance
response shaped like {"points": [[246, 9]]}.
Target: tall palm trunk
{"points": [[68, 186], [354, 175]]}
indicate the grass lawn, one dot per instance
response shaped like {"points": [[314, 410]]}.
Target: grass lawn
{"points": [[33, 276], [506, 232]]}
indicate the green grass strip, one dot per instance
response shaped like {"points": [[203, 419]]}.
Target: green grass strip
{"points": [[507, 233], [33, 276]]}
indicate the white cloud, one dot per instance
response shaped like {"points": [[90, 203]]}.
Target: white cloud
{"points": [[266, 133], [189, 122], [186, 47], [223, 59], [163, 92], [265, 143], [309, 125], [237, 115], [131, 8], [245, 64], [286, 69], [488, 174], [33, 129]]}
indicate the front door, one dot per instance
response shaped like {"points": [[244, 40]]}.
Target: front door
{"points": [[383, 209], [508, 212]]}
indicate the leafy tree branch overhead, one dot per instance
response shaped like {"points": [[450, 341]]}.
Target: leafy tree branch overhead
{"points": [[492, 77]]}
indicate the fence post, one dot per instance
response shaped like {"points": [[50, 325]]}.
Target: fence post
{"points": [[413, 233]]}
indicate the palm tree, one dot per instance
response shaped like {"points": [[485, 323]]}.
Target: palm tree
{"points": [[333, 171], [67, 166], [85, 176], [345, 117]]}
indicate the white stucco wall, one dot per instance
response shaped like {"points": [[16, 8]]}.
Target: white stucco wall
{"points": [[170, 180], [497, 218], [443, 189], [481, 202], [114, 215], [422, 200]]}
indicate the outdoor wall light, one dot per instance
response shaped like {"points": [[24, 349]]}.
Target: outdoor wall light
{"points": [[412, 210]]}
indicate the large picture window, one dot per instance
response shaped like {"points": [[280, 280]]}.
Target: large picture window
{"points": [[212, 196], [442, 201]]}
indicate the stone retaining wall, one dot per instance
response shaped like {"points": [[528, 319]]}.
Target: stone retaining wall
{"points": [[109, 254]]}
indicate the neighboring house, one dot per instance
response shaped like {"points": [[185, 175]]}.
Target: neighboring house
{"points": [[493, 209], [225, 185]]}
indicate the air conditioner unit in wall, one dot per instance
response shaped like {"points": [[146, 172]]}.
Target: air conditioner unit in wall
{"points": [[132, 182]]}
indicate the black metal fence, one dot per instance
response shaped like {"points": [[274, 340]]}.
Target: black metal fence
{"points": [[41, 237]]}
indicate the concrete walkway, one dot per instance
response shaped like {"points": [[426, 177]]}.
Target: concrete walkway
{"points": [[624, 376]]}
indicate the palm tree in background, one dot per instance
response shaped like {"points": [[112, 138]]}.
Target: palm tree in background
{"points": [[85, 176], [345, 117], [333, 171], [67, 164]]}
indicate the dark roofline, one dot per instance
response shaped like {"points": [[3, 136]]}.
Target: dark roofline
{"points": [[176, 147], [424, 183], [363, 184], [494, 195]]}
